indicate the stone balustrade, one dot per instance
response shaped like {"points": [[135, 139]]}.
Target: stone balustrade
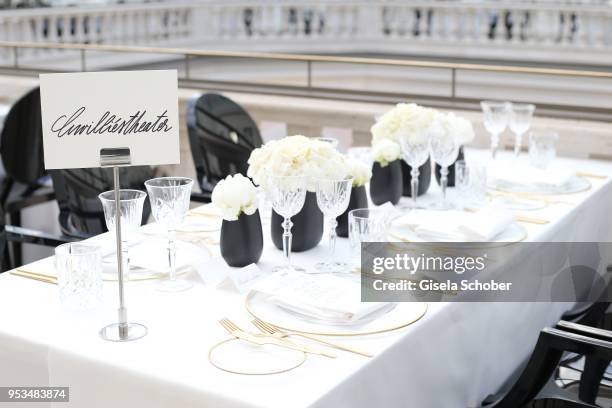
{"points": [[577, 32]]}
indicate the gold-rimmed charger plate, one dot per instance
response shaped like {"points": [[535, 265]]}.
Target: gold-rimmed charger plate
{"points": [[402, 315], [239, 357], [576, 184]]}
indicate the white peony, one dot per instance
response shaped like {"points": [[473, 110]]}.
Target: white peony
{"points": [[405, 119], [456, 126], [296, 156], [385, 151], [235, 195], [360, 171]]}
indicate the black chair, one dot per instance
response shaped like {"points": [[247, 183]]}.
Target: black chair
{"points": [[81, 213], [222, 136], [534, 387], [21, 149]]}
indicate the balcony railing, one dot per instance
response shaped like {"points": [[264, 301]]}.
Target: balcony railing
{"points": [[576, 33]]}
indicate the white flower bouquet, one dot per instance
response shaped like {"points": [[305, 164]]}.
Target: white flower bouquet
{"points": [[385, 152], [296, 156], [360, 172], [404, 119], [235, 195]]}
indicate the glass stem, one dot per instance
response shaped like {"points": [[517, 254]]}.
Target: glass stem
{"points": [[333, 223], [517, 144], [287, 224], [125, 259], [444, 182], [494, 144], [414, 183], [172, 254]]}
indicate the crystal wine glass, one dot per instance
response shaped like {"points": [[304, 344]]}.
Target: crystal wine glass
{"points": [[131, 203], [288, 194], [495, 121], [444, 151], [415, 152], [520, 120], [170, 197], [333, 199]]}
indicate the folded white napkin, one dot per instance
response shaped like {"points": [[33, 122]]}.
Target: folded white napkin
{"points": [[522, 174], [456, 226], [324, 297]]}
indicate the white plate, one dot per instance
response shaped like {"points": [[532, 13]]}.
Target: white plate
{"points": [[519, 203], [514, 233], [240, 357], [575, 185], [385, 319]]}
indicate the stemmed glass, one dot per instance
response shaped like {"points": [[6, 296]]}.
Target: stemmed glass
{"points": [[170, 197], [333, 199], [444, 151], [288, 194], [415, 152], [131, 203], [495, 121], [520, 120]]}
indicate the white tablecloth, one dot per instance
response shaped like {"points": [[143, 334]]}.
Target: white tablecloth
{"points": [[453, 357]]}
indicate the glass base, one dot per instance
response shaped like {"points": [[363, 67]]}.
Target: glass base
{"points": [[128, 332], [176, 285], [332, 267], [285, 268]]}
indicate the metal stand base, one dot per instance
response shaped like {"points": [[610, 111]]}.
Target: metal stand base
{"points": [[123, 332]]}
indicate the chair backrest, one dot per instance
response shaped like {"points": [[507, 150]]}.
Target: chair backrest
{"points": [[222, 136], [21, 143], [77, 190]]}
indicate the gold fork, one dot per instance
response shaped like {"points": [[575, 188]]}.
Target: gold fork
{"points": [[261, 339], [275, 331]]}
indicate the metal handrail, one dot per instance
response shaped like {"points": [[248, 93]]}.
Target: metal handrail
{"points": [[307, 58]]}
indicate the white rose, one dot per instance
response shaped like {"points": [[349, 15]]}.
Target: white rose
{"points": [[403, 120], [294, 156], [457, 127], [385, 151], [235, 195], [360, 171]]}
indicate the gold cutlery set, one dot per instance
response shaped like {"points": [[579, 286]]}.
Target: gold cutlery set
{"points": [[269, 334]]}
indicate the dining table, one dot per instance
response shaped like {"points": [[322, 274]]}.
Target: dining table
{"points": [[456, 355]]}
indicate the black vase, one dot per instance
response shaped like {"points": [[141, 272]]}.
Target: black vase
{"points": [[359, 199], [386, 183], [424, 178], [451, 170], [307, 228], [242, 240]]}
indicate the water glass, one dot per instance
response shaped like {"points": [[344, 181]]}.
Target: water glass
{"points": [[333, 199], [415, 152], [462, 178], [366, 225], [542, 148], [495, 121], [170, 197], [79, 275], [471, 183], [131, 203], [288, 194], [520, 121]]}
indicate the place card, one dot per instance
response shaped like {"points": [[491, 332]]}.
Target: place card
{"points": [[243, 279], [85, 112]]}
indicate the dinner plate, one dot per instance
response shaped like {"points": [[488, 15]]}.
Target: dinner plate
{"points": [[386, 319], [519, 203], [515, 232], [240, 357], [575, 184]]}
